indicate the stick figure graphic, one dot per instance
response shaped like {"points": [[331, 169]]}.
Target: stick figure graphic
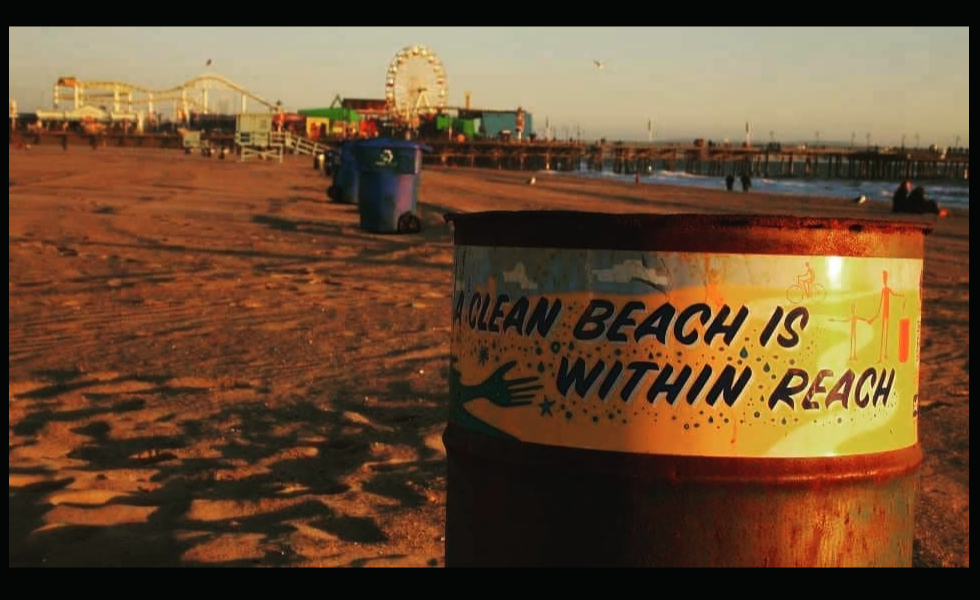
{"points": [[884, 312], [853, 319]]}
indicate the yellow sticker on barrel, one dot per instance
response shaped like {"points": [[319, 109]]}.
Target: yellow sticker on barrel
{"points": [[680, 353]]}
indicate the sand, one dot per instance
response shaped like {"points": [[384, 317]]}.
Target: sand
{"points": [[211, 365]]}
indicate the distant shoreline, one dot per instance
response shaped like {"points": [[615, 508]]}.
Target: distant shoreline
{"points": [[951, 194]]}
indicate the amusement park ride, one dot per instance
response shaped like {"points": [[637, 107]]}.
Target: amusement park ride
{"points": [[415, 87], [134, 103], [414, 106], [415, 91]]}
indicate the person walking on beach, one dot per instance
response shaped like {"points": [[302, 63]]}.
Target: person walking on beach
{"points": [[730, 182], [746, 182]]}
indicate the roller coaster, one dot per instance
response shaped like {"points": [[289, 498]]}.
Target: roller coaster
{"points": [[128, 98]]}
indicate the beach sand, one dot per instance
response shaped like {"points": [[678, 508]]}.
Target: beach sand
{"points": [[211, 365]]}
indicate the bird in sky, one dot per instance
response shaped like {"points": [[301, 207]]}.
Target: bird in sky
{"points": [[600, 65], [208, 64]]}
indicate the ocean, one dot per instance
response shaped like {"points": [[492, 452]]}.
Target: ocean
{"points": [[945, 192]]}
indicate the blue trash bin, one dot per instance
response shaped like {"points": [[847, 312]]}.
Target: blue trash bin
{"points": [[345, 181], [389, 185], [331, 163]]}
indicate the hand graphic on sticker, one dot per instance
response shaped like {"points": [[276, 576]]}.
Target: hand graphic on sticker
{"points": [[504, 393], [495, 388]]}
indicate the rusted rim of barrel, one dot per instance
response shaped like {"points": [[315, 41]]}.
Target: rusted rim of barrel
{"points": [[748, 234], [684, 469]]}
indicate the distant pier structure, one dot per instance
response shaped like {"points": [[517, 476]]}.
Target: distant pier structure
{"points": [[523, 156], [777, 161], [700, 158]]}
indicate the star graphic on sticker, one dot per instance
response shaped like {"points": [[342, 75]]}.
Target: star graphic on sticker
{"points": [[546, 407]]}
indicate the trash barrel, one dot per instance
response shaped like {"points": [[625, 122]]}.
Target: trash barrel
{"points": [[346, 177], [389, 183], [642, 390]]}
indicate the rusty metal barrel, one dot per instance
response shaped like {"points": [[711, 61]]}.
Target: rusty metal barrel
{"points": [[683, 390]]}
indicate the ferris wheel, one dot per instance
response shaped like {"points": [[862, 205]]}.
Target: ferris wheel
{"points": [[415, 85]]}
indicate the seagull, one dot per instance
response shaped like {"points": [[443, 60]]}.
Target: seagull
{"points": [[599, 64]]}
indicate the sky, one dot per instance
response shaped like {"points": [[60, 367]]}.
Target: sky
{"points": [[801, 84]]}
